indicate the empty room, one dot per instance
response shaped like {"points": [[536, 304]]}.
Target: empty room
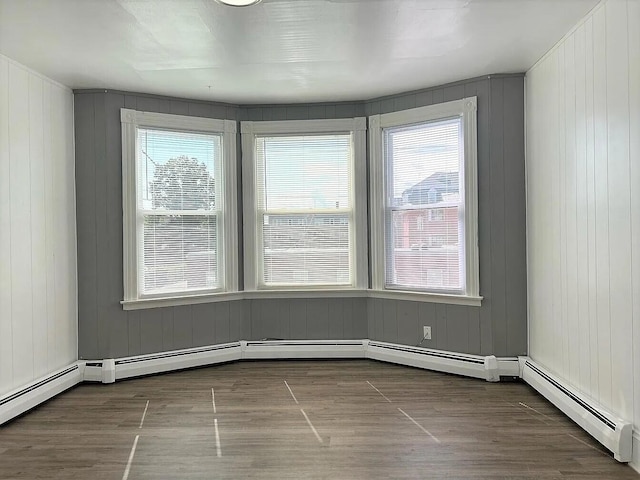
{"points": [[345, 239]]}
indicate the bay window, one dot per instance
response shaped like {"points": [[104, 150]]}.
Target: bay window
{"points": [[304, 191], [179, 197], [424, 201]]}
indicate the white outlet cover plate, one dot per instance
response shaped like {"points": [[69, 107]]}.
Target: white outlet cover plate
{"points": [[426, 333]]}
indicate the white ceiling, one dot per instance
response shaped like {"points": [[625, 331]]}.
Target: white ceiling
{"points": [[280, 51]]}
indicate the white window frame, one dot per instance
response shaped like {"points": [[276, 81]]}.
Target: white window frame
{"points": [[252, 247], [131, 120], [466, 109]]}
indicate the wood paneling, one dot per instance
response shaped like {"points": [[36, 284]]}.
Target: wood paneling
{"points": [[583, 212], [108, 331], [6, 326], [38, 296], [633, 30], [498, 327], [301, 319], [20, 226]]}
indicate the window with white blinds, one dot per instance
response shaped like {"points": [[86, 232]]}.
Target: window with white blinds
{"points": [[303, 207], [424, 206], [178, 224], [304, 201], [177, 206], [424, 220]]}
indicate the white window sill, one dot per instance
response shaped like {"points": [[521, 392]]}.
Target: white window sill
{"points": [[467, 300], [157, 302], [301, 293], [306, 293]]}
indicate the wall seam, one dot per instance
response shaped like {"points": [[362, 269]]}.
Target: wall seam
{"points": [[44, 189], [10, 323], [634, 366], [606, 95], [33, 352]]}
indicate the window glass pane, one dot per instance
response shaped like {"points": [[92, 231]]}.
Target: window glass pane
{"points": [[306, 249], [424, 206], [176, 174], [177, 170], [179, 253], [424, 161], [304, 172], [304, 197], [426, 257]]}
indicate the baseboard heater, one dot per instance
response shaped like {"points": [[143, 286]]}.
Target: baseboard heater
{"points": [[109, 370], [117, 369], [612, 432], [488, 368], [25, 398], [300, 349]]}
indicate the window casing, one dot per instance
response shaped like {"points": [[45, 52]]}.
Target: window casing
{"points": [[304, 195], [179, 206], [423, 201]]}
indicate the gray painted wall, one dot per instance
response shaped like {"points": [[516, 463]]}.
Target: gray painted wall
{"points": [[313, 319], [498, 327]]}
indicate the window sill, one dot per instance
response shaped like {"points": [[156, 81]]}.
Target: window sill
{"points": [[157, 302], [301, 293], [306, 293], [469, 301]]}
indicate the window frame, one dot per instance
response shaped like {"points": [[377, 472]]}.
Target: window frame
{"points": [[466, 110], [131, 120], [252, 247]]}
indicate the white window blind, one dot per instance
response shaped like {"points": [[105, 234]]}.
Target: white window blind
{"points": [[178, 201], [424, 206], [305, 218]]}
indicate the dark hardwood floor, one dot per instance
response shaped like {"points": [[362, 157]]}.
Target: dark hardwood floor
{"points": [[303, 419]]}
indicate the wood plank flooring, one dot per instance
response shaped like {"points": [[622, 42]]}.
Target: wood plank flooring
{"points": [[331, 419]]}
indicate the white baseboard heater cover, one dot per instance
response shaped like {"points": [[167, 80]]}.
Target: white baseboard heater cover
{"points": [[486, 368], [635, 461], [33, 394], [612, 432], [168, 361], [292, 349], [109, 370]]}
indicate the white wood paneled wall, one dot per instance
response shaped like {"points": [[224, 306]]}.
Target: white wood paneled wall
{"points": [[583, 208], [38, 292]]}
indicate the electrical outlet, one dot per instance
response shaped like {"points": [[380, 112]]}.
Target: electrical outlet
{"points": [[426, 333]]}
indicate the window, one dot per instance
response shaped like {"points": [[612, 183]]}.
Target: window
{"points": [[179, 197], [436, 214], [424, 168], [304, 194]]}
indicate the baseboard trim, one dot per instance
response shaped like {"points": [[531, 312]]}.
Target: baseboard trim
{"points": [[301, 349], [487, 368], [476, 366], [20, 400], [140, 365], [635, 460], [612, 432]]}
